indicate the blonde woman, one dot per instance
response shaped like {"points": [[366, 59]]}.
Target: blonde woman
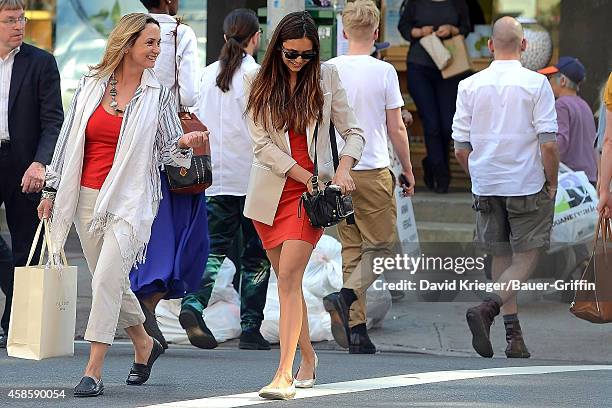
{"points": [[104, 177]]}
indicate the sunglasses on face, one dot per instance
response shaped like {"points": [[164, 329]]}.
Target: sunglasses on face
{"points": [[291, 54]]}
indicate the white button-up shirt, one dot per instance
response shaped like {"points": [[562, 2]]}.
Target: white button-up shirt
{"points": [[502, 112], [6, 72], [230, 141]]}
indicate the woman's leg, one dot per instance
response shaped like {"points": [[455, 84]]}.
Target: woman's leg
{"points": [[307, 352], [422, 89], [142, 342], [446, 95], [92, 245], [152, 300], [292, 263]]}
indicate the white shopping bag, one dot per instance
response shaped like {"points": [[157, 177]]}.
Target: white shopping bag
{"points": [[575, 210], [406, 223], [43, 315]]}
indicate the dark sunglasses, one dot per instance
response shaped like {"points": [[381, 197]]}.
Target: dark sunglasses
{"points": [[291, 55]]}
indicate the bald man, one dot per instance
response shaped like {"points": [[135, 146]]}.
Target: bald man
{"points": [[505, 130]]}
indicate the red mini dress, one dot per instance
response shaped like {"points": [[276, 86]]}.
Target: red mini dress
{"points": [[287, 225], [101, 137]]}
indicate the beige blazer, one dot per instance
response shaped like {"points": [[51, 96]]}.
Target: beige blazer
{"points": [[272, 154]]}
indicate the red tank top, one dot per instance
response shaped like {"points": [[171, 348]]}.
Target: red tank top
{"points": [[101, 137]]}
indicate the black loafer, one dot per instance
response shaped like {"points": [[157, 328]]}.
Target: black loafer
{"points": [[88, 387], [139, 374], [198, 333], [339, 313], [3, 340]]}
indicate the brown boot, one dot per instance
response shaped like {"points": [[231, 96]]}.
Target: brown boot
{"points": [[479, 319], [514, 336]]}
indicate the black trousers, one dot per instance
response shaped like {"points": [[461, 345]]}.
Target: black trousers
{"points": [[22, 220], [435, 98]]}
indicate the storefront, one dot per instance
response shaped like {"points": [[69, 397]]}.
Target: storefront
{"points": [[543, 15], [76, 31]]}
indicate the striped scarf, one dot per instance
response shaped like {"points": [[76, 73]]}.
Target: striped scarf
{"points": [[129, 198]]}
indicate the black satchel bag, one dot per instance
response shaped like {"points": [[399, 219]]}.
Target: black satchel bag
{"points": [[327, 207]]}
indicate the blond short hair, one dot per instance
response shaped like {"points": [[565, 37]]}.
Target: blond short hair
{"points": [[360, 19], [12, 5]]}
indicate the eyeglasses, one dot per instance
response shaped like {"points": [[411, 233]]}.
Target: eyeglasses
{"points": [[291, 55], [13, 21]]}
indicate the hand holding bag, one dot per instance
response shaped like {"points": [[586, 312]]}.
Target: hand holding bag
{"points": [[198, 177], [595, 305], [327, 207], [43, 315], [436, 50]]}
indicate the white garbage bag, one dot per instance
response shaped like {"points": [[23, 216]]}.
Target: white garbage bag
{"points": [[222, 316]]}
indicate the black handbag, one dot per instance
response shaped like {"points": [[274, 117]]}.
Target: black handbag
{"points": [[327, 207]]}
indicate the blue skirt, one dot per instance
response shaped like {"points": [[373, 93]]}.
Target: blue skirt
{"points": [[178, 248]]}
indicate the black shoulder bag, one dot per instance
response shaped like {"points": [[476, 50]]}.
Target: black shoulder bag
{"points": [[327, 207]]}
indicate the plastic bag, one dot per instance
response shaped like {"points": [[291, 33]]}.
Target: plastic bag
{"points": [[575, 210]]}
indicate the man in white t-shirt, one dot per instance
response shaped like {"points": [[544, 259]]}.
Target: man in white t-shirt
{"points": [[373, 91], [505, 130]]}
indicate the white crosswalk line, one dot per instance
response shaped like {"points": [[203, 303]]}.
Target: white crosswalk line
{"points": [[370, 384]]}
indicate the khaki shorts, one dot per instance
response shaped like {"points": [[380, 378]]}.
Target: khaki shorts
{"points": [[505, 225]]}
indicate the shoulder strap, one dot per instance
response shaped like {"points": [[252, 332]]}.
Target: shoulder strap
{"points": [[315, 172], [334, 149], [334, 145], [176, 73]]}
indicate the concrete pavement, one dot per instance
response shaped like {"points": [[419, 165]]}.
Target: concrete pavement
{"points": [[189, 375]]}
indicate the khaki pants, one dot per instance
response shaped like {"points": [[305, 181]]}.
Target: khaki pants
{"points": [[374, 234], [113, 304]]}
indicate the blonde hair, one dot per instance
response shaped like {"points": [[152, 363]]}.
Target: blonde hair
{"points": [[12, 5], [120, 40], [360, 19]]}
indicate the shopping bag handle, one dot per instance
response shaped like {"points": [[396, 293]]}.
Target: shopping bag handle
{"points": [[46, 245]]}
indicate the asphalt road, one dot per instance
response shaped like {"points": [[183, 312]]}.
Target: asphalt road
{"points": [[186, 373]]}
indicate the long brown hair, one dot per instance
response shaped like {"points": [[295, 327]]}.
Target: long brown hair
{"points": [[239, 27], [271, 102], [120, 40]]}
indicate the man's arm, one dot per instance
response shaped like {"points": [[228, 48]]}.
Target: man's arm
{"points": [[51, 111], [462, 124], [462, 153], [51, 116], [399, 139], [550, 160]]}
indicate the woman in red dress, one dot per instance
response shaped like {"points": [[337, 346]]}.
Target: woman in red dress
{"points": [[289, 95]]}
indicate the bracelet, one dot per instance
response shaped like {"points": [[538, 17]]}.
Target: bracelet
{"points": [[48, 195]]}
